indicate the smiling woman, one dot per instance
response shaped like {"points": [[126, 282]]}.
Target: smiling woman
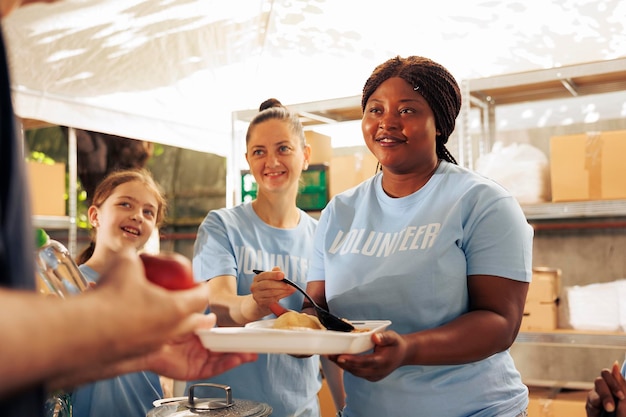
{"points": [[421, 244], [269, 234]]}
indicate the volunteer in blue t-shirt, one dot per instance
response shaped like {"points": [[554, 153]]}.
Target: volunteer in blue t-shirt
{"points": [[271, 231], [439, 250]]}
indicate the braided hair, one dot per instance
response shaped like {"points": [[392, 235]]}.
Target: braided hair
{"points": [[433, 82]]}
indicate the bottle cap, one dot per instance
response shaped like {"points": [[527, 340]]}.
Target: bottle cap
{"points": [[41, 238]]}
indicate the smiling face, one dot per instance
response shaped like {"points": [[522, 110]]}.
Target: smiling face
{"points": [[399, 128], [126, 218], [276, 157]]}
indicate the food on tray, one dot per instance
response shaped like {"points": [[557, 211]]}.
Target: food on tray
{"points": [[293, 320], [261, 337]]}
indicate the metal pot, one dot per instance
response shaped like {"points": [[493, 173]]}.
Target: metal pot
{"points": [[192, 406]]}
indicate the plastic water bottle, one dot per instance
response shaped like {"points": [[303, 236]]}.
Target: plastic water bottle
{"points": [[56, 267], [61, 275], [59, 404]]}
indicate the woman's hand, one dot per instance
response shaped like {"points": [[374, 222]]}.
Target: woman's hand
{"points": [[608, 387], [389, 352], [267, 289]]}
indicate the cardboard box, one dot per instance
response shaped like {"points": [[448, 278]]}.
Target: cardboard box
{"points": [[545, 285], [541, 308], [546, 402], [539, 317], [347, 171], [321, 149], [588, 166], [47, 188]]}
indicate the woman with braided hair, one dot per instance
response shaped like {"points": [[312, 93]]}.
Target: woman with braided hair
{"points": [[439, 250]]}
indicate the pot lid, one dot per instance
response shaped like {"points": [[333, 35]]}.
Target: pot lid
{"points": [[209, 407]]}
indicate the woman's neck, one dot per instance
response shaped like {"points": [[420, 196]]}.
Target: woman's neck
{"points": [[281, 213], [400, 185]]}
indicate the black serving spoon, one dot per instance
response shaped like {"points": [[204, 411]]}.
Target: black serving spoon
{"points": [[328, 320]]}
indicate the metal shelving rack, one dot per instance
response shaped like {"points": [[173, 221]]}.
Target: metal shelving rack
{"points": [[575, 210], [485, 94], [567, 339], [556, 83], [566, 359]]}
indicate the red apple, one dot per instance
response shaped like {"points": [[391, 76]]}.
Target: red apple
{"points": [[169, 270]]}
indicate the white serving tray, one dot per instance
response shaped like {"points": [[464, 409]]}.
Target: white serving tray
{"points": [[260, 337]]}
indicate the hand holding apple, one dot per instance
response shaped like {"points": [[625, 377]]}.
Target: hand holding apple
{"points": [[169, 270]]}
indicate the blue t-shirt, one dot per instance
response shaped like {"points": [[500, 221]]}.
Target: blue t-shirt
{"points": [[236, 241], [129, 395], [407, 260]]}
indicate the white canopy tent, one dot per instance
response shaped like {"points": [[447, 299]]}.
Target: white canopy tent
{"points": [[173, 71]]}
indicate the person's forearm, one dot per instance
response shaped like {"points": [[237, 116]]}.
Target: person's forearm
{"points": [[35, 336], [95, 372], [44, 337], [480, 333], [236, 310]]}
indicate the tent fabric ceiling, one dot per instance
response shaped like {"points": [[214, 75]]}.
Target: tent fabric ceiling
{"points": [[173, 71]]}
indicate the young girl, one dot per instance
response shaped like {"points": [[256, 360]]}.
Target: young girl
{"points": [[127, 207]]}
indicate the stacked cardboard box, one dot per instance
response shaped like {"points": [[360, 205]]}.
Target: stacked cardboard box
{"points": [[540, 311], [588, 166], [547, 402], [321, 149], [347, 171], [47, 188]]}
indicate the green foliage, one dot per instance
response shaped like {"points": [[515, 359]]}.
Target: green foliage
{"points": [[158, 149], [52, 141], [40, 157]]}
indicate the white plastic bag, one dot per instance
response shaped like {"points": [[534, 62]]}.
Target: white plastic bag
{"points": [[599, 306], [520, 168]]}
